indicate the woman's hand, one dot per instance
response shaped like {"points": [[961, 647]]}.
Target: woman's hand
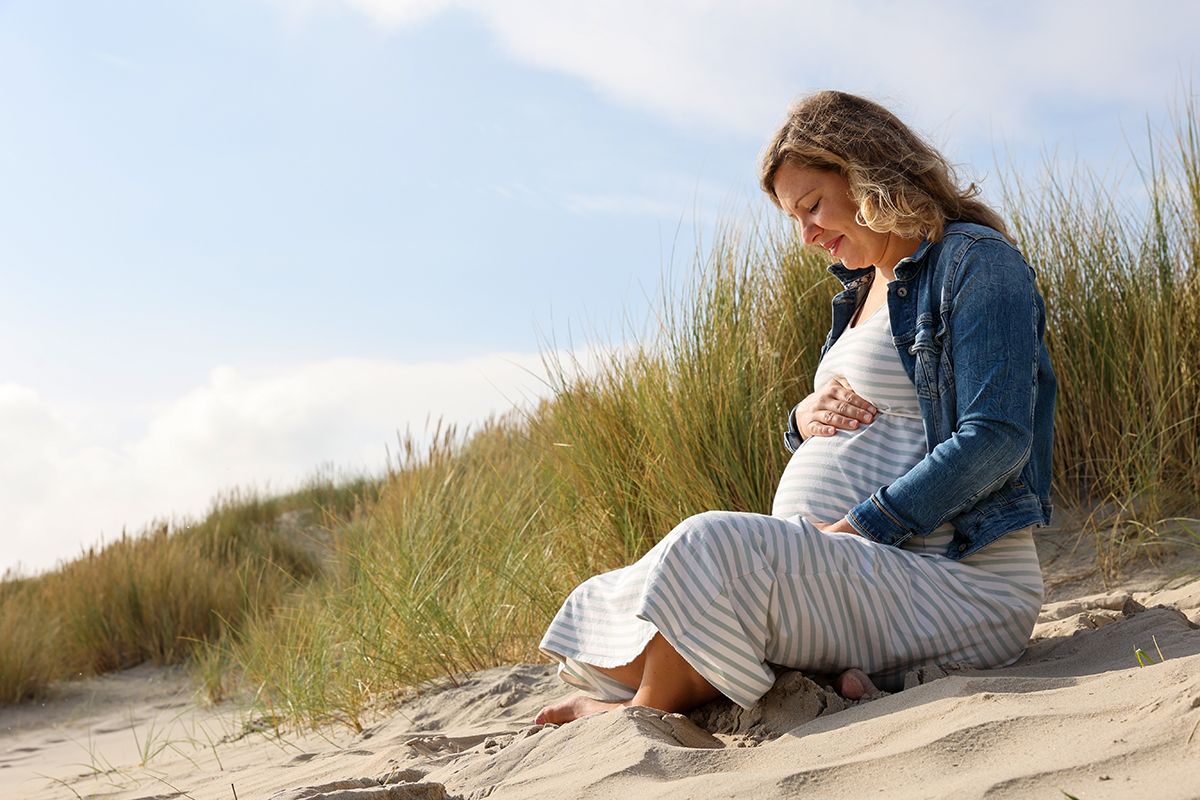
{"points": [[841, 526], [832, 407]]}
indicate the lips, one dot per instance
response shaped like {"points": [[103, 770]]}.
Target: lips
{"points": [[833, 245]]}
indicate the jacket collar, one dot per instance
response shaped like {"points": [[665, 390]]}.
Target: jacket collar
{"points": [[905, 269]]}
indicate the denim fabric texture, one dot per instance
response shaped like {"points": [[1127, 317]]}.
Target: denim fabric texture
{"points": [[969, 325]]}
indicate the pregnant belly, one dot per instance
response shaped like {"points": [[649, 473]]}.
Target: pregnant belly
{"points": [[829, 475]]}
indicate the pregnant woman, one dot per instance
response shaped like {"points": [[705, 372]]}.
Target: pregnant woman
{"points": [[902, 528]]}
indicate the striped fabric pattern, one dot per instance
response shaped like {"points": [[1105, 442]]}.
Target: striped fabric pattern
{"points": [[736, 593], [829, 475]]}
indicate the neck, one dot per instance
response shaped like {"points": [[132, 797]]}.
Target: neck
{"points": [[897, 249]]}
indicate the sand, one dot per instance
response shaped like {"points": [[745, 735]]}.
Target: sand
{"points": [[1075, 715]]}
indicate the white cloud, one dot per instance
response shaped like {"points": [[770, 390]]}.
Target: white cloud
{"points": [[949, 67], [64, 482]]}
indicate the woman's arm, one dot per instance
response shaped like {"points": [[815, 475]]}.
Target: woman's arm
{"points": [[995, 341]]}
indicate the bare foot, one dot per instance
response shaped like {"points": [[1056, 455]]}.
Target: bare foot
{"points": [[853, 684], [574, 707]]}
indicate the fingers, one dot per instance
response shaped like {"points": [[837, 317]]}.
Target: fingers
{"points": [[815, 428], [834, 407], [839, 420], [827, 423], [844, 401]]}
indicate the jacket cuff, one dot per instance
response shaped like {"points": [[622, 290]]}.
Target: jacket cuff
{"points": [[791, 437], [876, 522]]}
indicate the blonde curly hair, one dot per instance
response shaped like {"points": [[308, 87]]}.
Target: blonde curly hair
{"points": [[899, 182]]}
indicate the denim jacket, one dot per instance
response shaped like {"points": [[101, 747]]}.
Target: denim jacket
{"points": [[969, 325]]}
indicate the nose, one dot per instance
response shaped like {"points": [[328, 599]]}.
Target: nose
{"points": [[809, 231]]}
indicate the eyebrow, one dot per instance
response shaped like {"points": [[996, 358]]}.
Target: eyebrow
{"points": [[803, 195]]}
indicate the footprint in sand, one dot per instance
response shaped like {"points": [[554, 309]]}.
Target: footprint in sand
{"points": [[437, 745], [17, 754], [365, 789]]}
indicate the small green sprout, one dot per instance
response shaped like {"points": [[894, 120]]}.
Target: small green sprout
{"points": [[1145, 659]]}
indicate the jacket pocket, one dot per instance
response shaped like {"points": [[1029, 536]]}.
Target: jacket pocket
{"points": [[927, 349]]}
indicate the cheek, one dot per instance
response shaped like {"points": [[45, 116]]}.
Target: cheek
{"points": [[853, 223], [868, 239], [844, 219]]}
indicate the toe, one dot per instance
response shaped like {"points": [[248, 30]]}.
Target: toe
{"points": [[852, 684]]}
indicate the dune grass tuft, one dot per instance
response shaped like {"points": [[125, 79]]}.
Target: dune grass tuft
{"points": [[154, 596], [1122, 291]]}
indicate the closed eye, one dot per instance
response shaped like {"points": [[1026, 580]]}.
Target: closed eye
{"points": [[813, 210]]}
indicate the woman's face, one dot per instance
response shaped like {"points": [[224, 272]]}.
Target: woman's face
{"points": [[819, 200]]}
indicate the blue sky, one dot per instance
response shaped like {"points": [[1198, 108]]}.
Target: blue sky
{"points": [[242, 239]]}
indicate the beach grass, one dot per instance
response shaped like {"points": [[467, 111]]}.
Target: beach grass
{"points": [[154, 596], [459, 557], [1122, 290]]}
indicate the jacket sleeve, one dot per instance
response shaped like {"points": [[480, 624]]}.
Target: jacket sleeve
{"points": [[791, 437], [994, 346]]}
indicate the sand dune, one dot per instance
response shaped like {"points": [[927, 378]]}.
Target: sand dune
{"points": [[1076, 715]]}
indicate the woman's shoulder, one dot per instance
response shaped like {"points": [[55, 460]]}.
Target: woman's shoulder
{"points": [[964, 234], [964, 242], [970, 251]]}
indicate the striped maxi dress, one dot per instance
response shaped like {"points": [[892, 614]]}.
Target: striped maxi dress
{"points": [[736, 593]]}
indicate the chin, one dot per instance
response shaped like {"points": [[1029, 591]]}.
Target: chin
{"points": [[850, 260]]}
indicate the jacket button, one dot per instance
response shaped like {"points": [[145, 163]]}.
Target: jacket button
{"points": [[962, 546], [902, 291]]}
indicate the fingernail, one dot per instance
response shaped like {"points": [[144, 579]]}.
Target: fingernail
{"points": [[853, 423]]}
